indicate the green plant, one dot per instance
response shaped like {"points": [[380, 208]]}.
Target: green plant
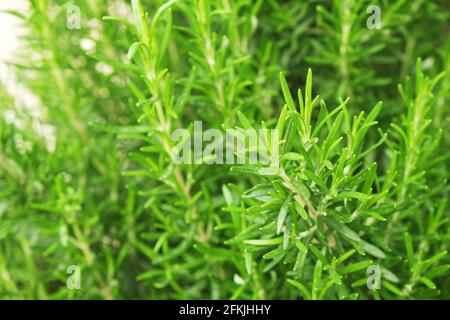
{"points": [[357, 185]]}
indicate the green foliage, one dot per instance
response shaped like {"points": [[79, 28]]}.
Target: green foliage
{"points": [[89, 180]]}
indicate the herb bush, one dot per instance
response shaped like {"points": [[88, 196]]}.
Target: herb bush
{"points": [[360, 182]]}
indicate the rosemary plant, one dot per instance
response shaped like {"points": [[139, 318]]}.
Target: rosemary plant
{"points": [[350, 202]]}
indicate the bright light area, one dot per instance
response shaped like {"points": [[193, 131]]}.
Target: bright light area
{"points": [[10, 31], [10, 27]]}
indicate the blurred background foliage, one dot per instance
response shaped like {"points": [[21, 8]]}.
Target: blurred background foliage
{"points": [[86, 177]]}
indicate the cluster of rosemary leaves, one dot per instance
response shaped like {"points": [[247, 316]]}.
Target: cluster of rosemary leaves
{"points": [[355, 205]]}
